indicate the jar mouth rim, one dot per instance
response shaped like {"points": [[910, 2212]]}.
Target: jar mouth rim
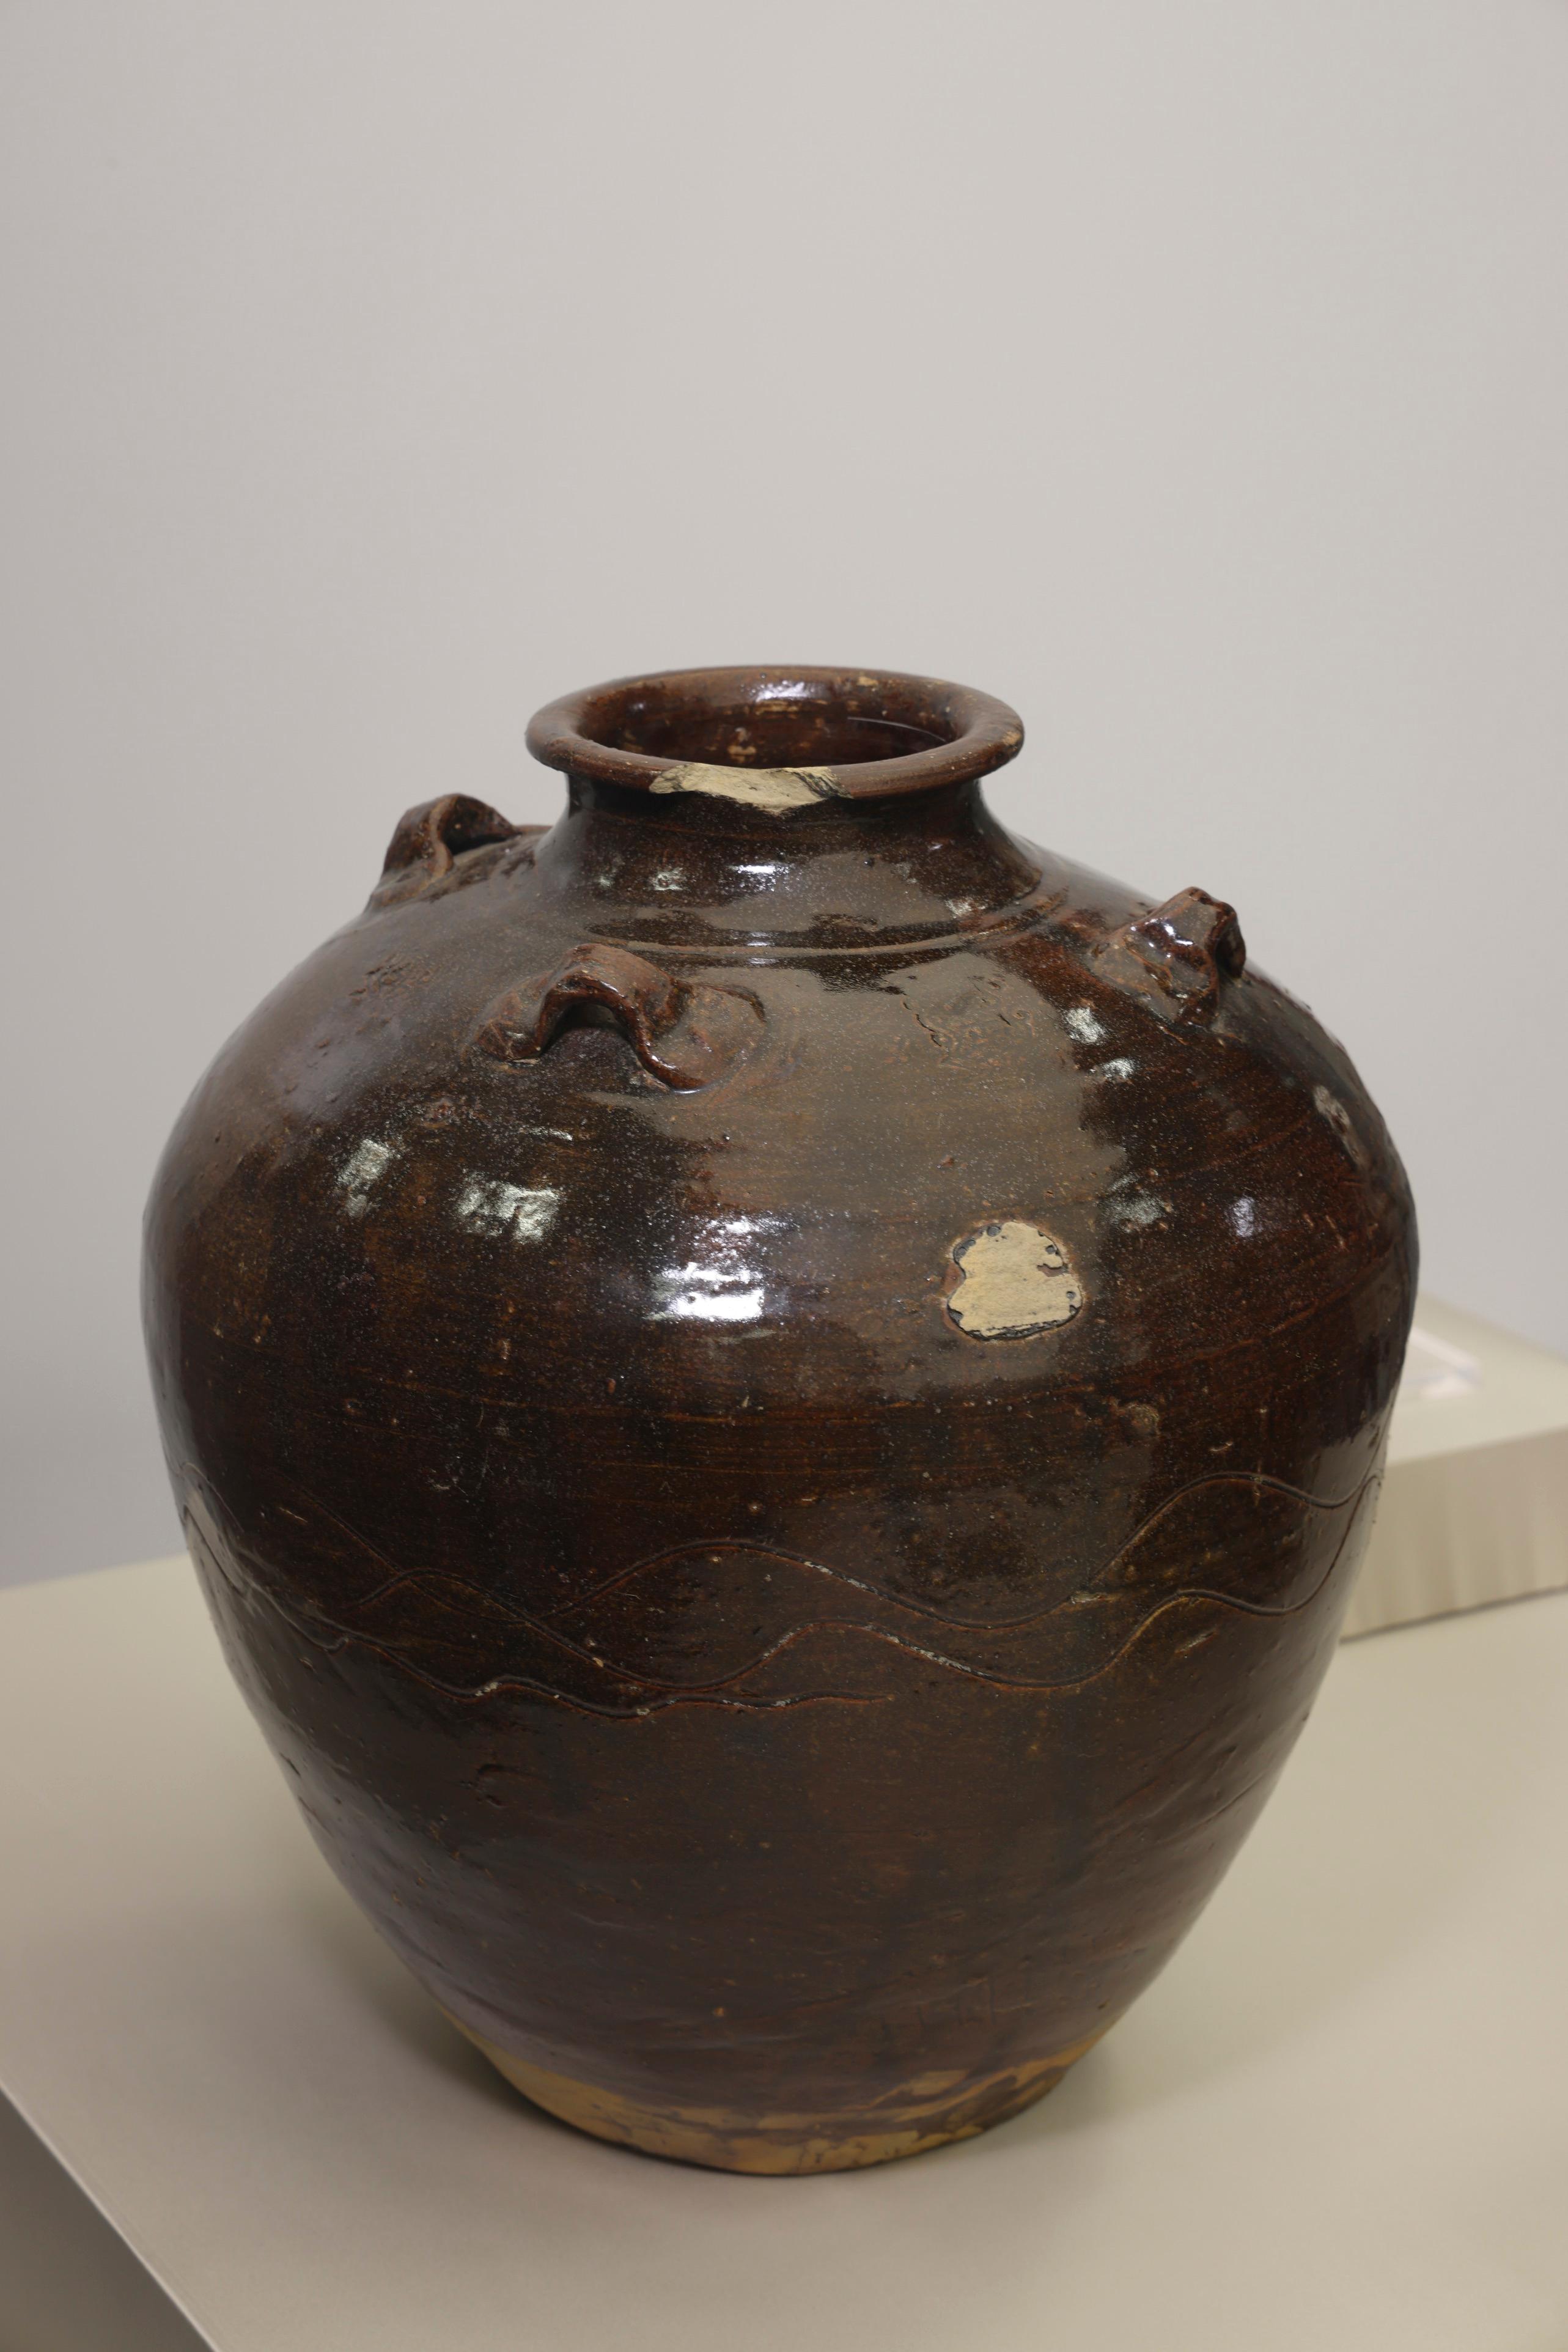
{"points": [[858, 734]]}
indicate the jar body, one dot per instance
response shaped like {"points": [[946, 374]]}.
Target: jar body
{"points": [[782, 1517]]}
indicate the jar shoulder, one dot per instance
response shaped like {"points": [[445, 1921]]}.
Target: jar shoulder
{"points": [[893, 1131]]}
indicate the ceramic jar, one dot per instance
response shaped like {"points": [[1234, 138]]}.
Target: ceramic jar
{"points": [[776, 1395]]}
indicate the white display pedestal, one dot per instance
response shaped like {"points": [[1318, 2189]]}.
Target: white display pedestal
{"points": [[1475, 1503], [1336, 2121]]}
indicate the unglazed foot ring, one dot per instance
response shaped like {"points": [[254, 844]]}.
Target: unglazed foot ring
{"points": [[929, 2112]]}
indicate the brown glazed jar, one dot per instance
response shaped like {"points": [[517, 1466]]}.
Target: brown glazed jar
{"points": [[777, 1395]]}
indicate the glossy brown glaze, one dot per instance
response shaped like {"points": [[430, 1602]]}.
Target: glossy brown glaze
{"points": [[777, 1395]]}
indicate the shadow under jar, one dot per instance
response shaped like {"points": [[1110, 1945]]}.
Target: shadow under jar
{"points": [[777, 1395]]}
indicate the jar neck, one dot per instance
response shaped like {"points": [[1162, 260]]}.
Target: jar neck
{"points": [[691, 867]]}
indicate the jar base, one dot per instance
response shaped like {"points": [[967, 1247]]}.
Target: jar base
{"points": [[931, 2111]]}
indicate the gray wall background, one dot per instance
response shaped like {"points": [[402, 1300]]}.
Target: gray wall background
{"points": [[1192, 372]]}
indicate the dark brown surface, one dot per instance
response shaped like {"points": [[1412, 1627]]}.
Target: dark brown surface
{"points": [[777, 1409]]}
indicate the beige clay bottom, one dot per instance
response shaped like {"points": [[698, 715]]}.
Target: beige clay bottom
{"points": [[934, 2109]]}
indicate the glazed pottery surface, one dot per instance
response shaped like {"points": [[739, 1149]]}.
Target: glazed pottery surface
{"points": [[777, 1395]]}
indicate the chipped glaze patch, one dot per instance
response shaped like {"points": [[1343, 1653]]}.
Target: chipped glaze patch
{"points": [[1329, 1106], [366, 1167], [776, 789], [487, 1205], [1014, 1281]]}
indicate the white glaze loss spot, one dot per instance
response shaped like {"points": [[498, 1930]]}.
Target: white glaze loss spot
{"points": [[779, 790], [1014, 1281], [365, 1169], [487, 1205]]}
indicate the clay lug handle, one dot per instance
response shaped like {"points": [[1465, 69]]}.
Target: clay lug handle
{"points": [[430, 839], [686, 1037], [1175, 957]]}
